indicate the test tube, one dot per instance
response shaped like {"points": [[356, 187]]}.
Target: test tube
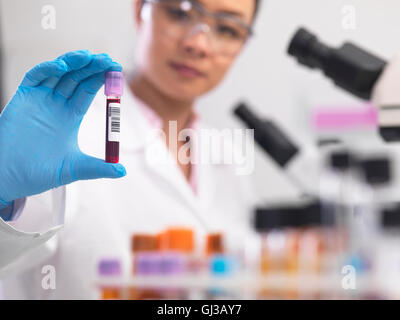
{"points": [[144, 250], [113, 90], [142, 243], [222, 266], [387, 256], [214, 244], [110, 268], [180, 242], [279, 229], [295, 240]]}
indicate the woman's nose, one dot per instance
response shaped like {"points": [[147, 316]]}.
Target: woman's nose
{"points": [[197, 41]]}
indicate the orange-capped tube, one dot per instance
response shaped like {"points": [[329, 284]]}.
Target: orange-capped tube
{"points": [[177, 239], [144, 243], [214, 244], [160, 239]]}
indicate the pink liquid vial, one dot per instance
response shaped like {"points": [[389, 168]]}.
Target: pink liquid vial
{"points": [[113, 90]]}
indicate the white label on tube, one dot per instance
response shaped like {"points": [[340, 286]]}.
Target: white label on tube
{"points": [[114, 121]]}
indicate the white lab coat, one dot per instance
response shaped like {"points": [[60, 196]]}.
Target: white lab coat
{"points": [[101, 215]]}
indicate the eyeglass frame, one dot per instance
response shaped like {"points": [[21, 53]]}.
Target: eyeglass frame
{"points": [[205, 12]]}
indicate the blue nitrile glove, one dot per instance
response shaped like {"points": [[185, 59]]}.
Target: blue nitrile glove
{"points": [[39, 127]]}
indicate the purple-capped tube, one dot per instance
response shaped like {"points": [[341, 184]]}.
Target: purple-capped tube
{"points": [[113, 89], [172, 264], [109, 267], [147, 263]]}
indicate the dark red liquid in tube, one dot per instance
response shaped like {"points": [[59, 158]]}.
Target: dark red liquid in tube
{"points": [[112, 124]]}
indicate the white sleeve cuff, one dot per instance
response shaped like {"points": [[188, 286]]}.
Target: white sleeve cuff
{"points": [[42, 218]]}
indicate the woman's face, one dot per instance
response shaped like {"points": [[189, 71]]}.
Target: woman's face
{"points": [[187, 65]]}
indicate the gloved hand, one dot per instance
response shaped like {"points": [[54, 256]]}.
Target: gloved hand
{"points": [[39, 127], [386, 97]]}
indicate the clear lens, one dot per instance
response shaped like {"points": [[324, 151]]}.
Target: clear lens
{"points": [[180, 19], [179, 12]]}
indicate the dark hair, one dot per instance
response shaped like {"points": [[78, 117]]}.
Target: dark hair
{"points": [[256, 9]]}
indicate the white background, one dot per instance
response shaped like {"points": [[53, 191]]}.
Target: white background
{"points": [[264, 75]]}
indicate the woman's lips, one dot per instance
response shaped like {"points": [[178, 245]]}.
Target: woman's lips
{"points": [[186, 71]]}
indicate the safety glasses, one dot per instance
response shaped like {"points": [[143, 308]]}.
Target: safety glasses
{"points": [[180, 19]]}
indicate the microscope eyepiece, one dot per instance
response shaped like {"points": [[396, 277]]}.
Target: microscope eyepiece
{"points": [[268, 135], [306, 47], [349, 66]]}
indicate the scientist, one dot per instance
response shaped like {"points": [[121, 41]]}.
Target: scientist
{"points": [[184, 50]]}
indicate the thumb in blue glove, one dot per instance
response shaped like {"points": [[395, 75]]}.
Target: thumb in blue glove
{"points": [[39, 127]]}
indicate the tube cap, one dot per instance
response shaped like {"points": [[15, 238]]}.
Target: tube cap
{"points": [[279, 217], [391, 216], [144, 242], [214, 244], [311, 214], [149, 263], [177, 239], [109, 267], [114, 84], [222, 265], [171, 263]]}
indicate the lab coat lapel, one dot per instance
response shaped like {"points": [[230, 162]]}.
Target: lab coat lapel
{"points": [[139, 137], [170, 173]]}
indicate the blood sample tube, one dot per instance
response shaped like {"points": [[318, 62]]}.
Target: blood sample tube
{"points": [[214, 244], [142, 243], [144, 250], [177, 240], [181, 241], [110, 269], [113, 90]]}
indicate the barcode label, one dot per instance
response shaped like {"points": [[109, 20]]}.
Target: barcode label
{"points": [[114, 121]]}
